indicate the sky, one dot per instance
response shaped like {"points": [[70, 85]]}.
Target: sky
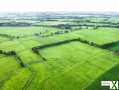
{"points": [[58, 5]]}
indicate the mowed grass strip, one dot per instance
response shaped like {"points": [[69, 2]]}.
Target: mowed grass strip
{"points": [[72, 66]]}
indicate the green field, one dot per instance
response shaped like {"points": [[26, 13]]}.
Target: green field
{"points": [[64, 59]]}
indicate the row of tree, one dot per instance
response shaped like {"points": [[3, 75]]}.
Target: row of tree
{"points": [[52, 33], [15, 24], [8, 53], [96, 25], [37, 48], [89, 42], [9, 36]]}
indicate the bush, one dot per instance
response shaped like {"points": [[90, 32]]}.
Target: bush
{"points": [[1, 52], [35, 50]]}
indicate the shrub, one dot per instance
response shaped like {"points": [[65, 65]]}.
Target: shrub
{"points": [[35, 50]]}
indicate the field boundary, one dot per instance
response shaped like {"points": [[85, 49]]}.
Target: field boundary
{"points": [[35, 49]]}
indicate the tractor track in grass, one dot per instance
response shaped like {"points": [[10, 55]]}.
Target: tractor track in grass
{"points": [[33, 74], [23, 65], [18, 60], [31, 77]]}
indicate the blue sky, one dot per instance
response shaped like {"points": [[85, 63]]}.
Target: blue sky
{"points": [[58, 5]]}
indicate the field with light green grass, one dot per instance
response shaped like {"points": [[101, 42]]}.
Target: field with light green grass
{"points": [[100, 36], [51, 58]]}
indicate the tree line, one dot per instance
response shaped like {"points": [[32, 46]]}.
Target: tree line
{"points": [[9, 36], [37, 48]]}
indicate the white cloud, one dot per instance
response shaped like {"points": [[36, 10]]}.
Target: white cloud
{"points": [[58, 5]]}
